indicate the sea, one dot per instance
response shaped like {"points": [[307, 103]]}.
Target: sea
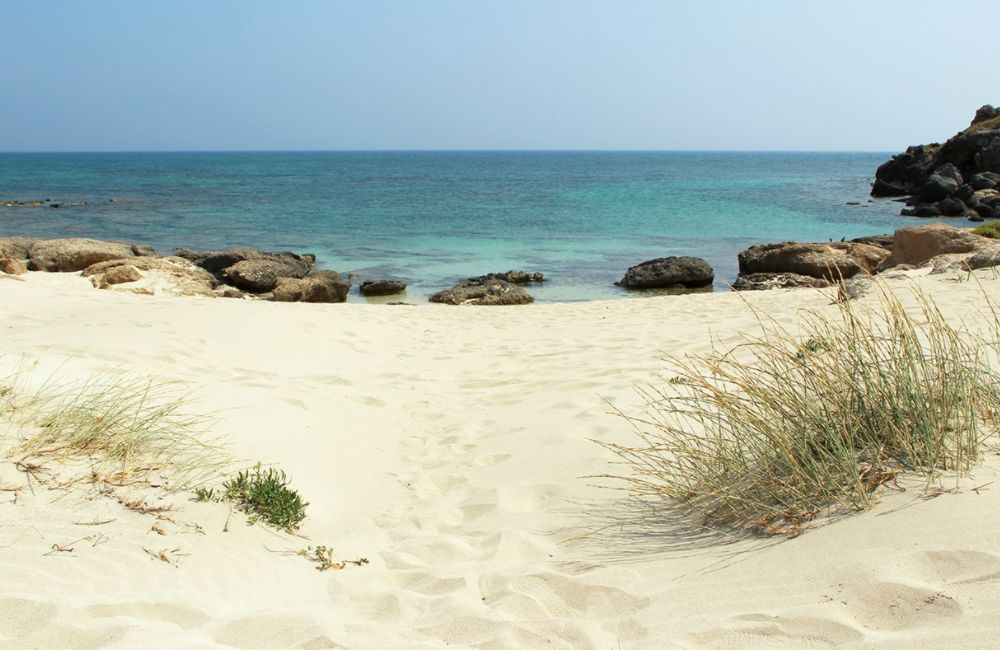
{"points": [[435, 218]]}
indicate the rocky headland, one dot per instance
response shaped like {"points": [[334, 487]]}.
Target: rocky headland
{"points": [[960, 178]]}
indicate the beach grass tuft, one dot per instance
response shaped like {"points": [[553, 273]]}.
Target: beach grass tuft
{"points": [[786, 426], [120, 427], [989, 229]]}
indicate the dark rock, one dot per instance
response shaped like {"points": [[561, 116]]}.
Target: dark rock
{"points": [[255, 275], [884, 241], [951, 207], [988, 158], [985, 114], [320, 286], [66, 255], [142, 250], [984, 211], [488, 292], [985, 181], [669, 272], [765, 281], [885, 188], [964, 192], [382, 287], [514, 277], [937, 188], [828, 261]]}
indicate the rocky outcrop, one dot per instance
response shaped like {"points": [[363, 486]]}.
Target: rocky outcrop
{"points": [[167, 275], [514, 277], [67, 255], [18, 248], [382, 287], [669, 273], [492, 291], [319, 286], [830, 261], [917, 245], [941, 179], [766, 281]]}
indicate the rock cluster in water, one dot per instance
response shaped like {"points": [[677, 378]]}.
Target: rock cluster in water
{"points": [[960, 178]]}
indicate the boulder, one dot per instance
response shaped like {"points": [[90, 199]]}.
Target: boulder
{"points": [[669, 272], [828, 261], [514, 277], [985, 181], [765, 281], [882, 241], [382, 287], [13, 266], [492, 291], [917, 244], [937, 187], [320, 286], [218, 262], [17, 248], [951, 207], [122, 274], [67, 255], [260, 274]]}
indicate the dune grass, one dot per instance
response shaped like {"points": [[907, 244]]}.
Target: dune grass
{"points": [[989, 229], [121, 429], [771, 434]]}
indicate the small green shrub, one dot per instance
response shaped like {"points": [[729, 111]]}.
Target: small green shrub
{"points": [[263, 495], [989, 229]]}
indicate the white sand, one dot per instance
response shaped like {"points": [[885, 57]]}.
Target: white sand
{"points": [[447, 445]]}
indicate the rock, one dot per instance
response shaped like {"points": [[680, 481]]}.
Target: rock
{"points": [[514, 277], [985, 258], [669, 272], [964, 192], [16, 247], [66, 255], [142, 250], [951, 207], [320, 286], [382, 287], [260, 274], [13, 266], [168, 275], [882, 241], [828, 261], [226, 291], [988, 158], [937, 187], [218, 262], [122, 274], [985, 181], [917, 244], [493, 291], [765, 281], [905, 172]]}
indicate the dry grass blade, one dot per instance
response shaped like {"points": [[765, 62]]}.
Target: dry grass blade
{"points": [[768, 436]]}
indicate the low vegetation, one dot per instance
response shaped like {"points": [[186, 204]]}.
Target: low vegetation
{"points": [[771, 434], [263, 495], [117, 429], [989, 229]]}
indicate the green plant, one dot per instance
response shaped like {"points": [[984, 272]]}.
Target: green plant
{"points": [[264, 495], [769, 435], [989, 229]]}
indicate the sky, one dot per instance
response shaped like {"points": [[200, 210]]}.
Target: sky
{"points": [[854, 75]]}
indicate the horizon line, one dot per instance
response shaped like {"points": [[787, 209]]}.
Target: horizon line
{"points": [[463, 150]]}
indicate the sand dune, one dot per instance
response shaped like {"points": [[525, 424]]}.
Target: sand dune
{"points": [[447, 446]]}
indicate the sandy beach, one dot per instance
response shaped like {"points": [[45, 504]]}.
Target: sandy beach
{"points": [[449, 446]]}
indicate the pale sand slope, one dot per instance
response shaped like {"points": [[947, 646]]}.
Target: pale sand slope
{"points": [[447, 446]]}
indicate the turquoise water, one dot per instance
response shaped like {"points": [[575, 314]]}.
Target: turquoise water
{"points": [[433, 218]]}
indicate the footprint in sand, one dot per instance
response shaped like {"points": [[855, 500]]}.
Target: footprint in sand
{"points": [[895, 606], [961, 566], [779, 631], [180, 615], [19, 616], [272, 632]]}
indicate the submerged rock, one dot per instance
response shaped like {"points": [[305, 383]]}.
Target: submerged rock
{"points": [[382, 287], [491, 291]]}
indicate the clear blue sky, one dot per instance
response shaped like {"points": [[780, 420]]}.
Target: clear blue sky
{"points": [[504, 74]]}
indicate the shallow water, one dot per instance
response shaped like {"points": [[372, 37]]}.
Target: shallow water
{"points": [[433, 218]]}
